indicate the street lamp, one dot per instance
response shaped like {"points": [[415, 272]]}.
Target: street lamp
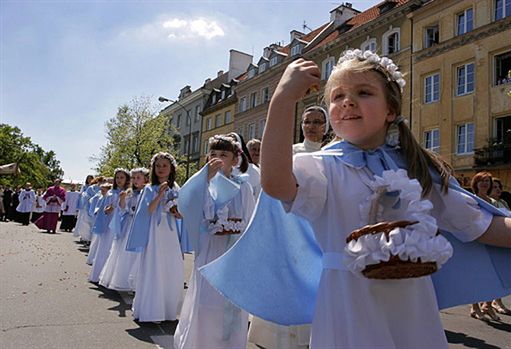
{"points": [[189, 120]]}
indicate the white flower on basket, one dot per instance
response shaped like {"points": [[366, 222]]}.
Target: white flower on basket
{"points": [[412, 242]]}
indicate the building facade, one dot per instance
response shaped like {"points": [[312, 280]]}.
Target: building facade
{"points": [[461, 67], [218, 115]]}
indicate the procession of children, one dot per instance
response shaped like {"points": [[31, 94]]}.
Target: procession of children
{"points": [[270, 239]]}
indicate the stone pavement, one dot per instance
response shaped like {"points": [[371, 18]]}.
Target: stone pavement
{"points": [[46, 302]]}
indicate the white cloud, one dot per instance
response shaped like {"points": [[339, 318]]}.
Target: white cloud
{"points": [[206, 29], [175, 23], [177, 29]]}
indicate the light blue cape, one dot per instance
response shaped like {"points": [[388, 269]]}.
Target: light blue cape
{"points": [[191, 202], [273, 270]]}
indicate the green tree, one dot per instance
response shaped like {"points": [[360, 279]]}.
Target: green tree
{"points": [[133, 136], [37, 166]]}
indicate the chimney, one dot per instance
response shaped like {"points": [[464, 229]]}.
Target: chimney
{"points": [[342, 13], [267, 52], [185, 91], [295, 34], [220, 73], [238, 63], [387, 6], [207, 81]]}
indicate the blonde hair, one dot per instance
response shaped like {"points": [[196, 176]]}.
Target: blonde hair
{"points": [[417, 158]]}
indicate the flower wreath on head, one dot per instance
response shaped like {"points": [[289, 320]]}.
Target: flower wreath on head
{"points": [[388, 66], [227, 139]]}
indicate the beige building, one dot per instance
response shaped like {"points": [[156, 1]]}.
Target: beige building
{"points": [[461, 62], [218, 115]]}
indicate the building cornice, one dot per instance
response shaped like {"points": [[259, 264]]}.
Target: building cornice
{"points": [[465, 39]]}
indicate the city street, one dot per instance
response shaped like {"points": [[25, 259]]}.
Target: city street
{"points": [[46, 302]]}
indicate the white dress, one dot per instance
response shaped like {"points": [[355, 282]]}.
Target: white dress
{"points": [[354, 312], [104, 240], [160, 275], [208, 320], [27, 199], [85, 220], [119, 271]]}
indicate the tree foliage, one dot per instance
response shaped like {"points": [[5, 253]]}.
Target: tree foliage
{"points": [[37, 166], [133, 136]]}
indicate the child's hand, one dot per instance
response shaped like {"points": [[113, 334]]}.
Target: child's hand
{"points": [[298, 78], [163, 187], [214, 165], [122, 195], [109, 209]]}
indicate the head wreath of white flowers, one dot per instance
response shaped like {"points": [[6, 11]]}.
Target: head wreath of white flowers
{"points": [[226, 139], [386, 63]]}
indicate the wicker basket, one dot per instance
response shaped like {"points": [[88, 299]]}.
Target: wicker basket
{"points": [[395, 268]]}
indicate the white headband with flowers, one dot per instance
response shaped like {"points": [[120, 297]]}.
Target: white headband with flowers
{"points": [[386, 63]]}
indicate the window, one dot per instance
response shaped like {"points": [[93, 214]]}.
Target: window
{"points": [[227, 117], [296, 50], [328, 66], [223, 94], [213, 98], [369, 45], [432, 88], [432, 140], [253, 99], [465, 79], [391, 41], [262, 123], [187, 120], [218, 120], [251, 73], [503, 130], [265, 95], [465, 21], [178, 120], [503, 68], [502, 9], [465, 138], [186, 144], [262, 67], [431, 36], [197, 113], [243, 104], [195, 142], [251, 131], [274, 61], [208, 124], [205, 147], [240, 131]]}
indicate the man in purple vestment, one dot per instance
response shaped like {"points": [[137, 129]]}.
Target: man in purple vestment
{"points": [[54, 198]]}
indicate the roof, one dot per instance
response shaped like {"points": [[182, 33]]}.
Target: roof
{"points": [[358, 20]]}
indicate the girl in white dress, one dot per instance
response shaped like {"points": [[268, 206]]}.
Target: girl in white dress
{"points": [[208, 320], [104, 234], [364, 94], [120, 267], [159, 282], [83, 218]]}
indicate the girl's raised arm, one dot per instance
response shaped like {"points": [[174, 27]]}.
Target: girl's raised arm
{"points": [[277, 178]]}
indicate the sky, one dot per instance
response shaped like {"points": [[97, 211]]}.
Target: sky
{"points": [[66, 66]]}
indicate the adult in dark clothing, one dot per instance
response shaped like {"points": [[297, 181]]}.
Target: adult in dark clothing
{"points": [[7, 203], [13, 214]]}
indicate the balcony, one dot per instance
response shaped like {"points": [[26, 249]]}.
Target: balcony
{"points": [[495, 154]]}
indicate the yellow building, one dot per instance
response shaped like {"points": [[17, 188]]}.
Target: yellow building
{"points": [[460, 107], [218, 115]]}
